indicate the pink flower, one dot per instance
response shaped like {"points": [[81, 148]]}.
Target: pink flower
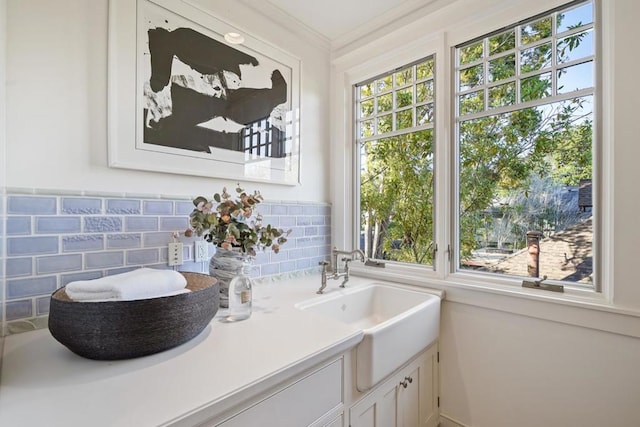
{"points": [[204, 207], [247, 213], [225, 245], [275, 247]]}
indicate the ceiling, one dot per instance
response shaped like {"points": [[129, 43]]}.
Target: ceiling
{"points": [[338, 21]]}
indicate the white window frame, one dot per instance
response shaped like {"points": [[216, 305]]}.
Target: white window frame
{"points": [[553, 68], [358, 66]]}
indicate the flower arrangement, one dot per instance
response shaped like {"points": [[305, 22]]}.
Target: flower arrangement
{"points": [[229, 224]]}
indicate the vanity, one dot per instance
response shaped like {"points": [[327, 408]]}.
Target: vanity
{"points": [[295, 363]]}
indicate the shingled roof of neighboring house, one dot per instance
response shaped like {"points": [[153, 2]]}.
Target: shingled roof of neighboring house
{"points": [[566, 255], [585, 194]]}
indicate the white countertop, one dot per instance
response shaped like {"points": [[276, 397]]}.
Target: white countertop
{"points": [[42, 383]]}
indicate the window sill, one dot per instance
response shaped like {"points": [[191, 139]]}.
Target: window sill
{"points": [[576, 307]]}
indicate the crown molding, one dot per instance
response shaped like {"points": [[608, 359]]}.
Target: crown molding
{"points": [[287, 21]]}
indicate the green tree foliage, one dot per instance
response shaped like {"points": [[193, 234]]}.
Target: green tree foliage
{"points": [[396, 193], [500, 155]]}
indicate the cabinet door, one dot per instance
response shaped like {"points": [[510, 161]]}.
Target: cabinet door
{"points": [[378, 409], [407, 399], [418, 392]]}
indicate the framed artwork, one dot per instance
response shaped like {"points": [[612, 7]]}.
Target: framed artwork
{"points": [[184, 100]]}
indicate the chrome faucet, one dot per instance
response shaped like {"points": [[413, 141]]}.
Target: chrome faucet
{"points": [[333, 272]]}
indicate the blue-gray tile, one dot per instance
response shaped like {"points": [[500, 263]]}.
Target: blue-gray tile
{"points": [[310, 210], [317, 220], [32, 245], [287, 266], [194, 267], [324, 210], [184, 208], [65, 279], [262, 258], [302, 242], [31, 205], [81, 243], [141, 223], [124, 241], [19, 267], [143, 256], [58, 263], [278, 210], [294, 253], [57, 224], [287, 221], [264, 208], [311, 231], [270, 269], [270, 219], [104, 224], [123, 206], [324, 230], [19, 309], [319, 240], [18, 225], [174, 223], [156, 239], [33, 286], [81, 206], [303, 220], [157, 207], [42, 305], [310, 252], [301, 264], [115, 271], [295, 209], [104, 259]]}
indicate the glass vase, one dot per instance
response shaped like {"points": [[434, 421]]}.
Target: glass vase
{"points": [[224, 266]]}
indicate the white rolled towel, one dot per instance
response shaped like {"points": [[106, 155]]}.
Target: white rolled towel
{"points": [[142, 283]]}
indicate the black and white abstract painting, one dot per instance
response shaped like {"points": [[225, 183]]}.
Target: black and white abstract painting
{"points": [[203, 93], [200, 97]]}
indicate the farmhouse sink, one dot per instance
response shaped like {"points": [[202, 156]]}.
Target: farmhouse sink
{"points": [[397, 323]]}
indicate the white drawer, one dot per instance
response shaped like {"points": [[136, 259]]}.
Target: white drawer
{"points": [[299, 404]]}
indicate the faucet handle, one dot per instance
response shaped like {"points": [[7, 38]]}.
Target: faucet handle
{"points": [[323, 263]]}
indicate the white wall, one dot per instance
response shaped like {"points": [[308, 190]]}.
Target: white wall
{"points": [[509, 359], [3, 156], [57, 103]]}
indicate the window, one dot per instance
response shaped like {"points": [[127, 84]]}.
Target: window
{"points": [[394, 133], [523, 167], [524, 101]]}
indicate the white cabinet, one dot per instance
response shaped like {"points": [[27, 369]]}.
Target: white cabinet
{"points": [[409, 398], [309, 401]]}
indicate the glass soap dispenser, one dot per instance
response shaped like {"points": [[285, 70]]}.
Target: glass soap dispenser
{"points": [[240, 294]]}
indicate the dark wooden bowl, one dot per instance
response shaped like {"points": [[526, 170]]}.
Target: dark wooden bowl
{"points": [[113, 330]]}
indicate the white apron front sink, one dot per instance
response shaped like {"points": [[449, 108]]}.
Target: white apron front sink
{"points": [[397, 323]]}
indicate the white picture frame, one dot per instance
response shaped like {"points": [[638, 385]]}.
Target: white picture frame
{"points": [[194, 119]]}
